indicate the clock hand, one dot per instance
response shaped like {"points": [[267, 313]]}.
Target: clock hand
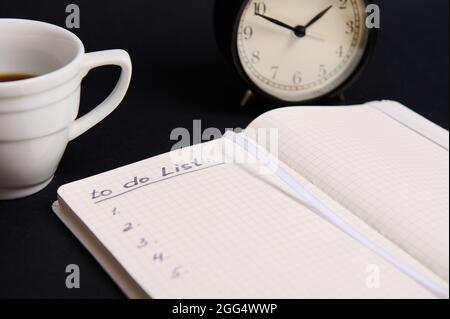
{"points": [[299, 31], [317, 17], [277, 22], [315, 37]]}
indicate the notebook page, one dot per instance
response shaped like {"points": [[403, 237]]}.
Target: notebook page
{"points": [[393, 178], [225, 231], [414, 121]]}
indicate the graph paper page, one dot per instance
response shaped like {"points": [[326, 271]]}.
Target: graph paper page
{"points": [[390, 176], [216, 230]]}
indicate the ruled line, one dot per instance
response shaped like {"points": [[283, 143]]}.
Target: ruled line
{"points": [[155, 182]]}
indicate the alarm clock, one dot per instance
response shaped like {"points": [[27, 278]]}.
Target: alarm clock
{"points": [[295, 51]]}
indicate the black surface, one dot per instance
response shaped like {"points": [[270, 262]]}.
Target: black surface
{"points": [[179, 76]]}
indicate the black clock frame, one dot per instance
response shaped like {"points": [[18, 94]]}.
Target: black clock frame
{"points": [[227, 16]]}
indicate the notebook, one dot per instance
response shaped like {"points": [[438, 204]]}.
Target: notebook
{"points": [[217, 221]]}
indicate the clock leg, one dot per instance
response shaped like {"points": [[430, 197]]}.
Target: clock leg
{"points": [[337, 100], [246, 98], [341, 99]]}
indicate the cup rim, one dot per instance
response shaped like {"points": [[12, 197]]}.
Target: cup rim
{"points": [[48, 80]]}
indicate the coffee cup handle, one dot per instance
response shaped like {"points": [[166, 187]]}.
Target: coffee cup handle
{"points": [[92, 61]]}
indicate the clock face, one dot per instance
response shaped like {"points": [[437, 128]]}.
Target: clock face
{"points": [[298, 50]]}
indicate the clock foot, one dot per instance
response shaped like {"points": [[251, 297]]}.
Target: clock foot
{"points": [[337, 100], [246, 98], [341, 99]]}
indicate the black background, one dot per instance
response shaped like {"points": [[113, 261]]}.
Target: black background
{"points": [[179, 76]]}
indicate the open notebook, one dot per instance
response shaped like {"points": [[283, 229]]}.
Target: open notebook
{"points": [[204, 226]]}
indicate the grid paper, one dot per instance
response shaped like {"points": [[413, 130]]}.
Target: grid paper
{"points": [[226, 231], [385, 173]]}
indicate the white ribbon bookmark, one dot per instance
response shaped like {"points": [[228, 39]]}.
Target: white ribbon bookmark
{"points": [[311, 200]]}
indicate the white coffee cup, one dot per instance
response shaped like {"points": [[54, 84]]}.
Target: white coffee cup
{"points": [[38, 115]]}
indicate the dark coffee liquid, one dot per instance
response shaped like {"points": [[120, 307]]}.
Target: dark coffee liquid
{"points": [[9, 77]]}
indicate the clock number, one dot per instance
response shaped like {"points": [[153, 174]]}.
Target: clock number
{"points": [[248, 32], [297, 78], [256, 57], [260, 8], [322, 71], [350, 27], [343, 4], [275, 71]]}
